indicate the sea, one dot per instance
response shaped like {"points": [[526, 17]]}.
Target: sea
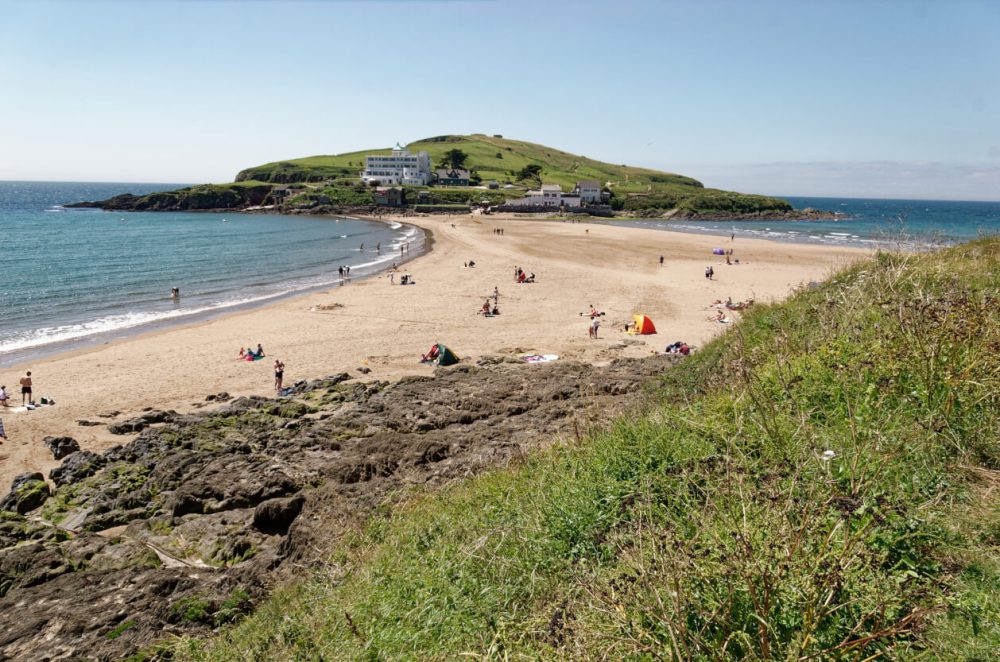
{"points": [[70, 278], [908, 224], [76, 277]]}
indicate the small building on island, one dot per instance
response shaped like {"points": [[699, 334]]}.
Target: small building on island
{"points": [[451, 177], [390, 196], [589, 190], [549, 195]]}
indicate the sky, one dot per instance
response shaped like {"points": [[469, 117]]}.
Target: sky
{"points": [[892, 98]]}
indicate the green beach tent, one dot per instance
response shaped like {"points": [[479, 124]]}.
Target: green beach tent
{"points": [[439, 354]]}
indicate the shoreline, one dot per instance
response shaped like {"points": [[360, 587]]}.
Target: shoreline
{"points": [[384, 329], [20, 357]]}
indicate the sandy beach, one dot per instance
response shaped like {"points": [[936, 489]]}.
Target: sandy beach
{"points": [[384, 327]]}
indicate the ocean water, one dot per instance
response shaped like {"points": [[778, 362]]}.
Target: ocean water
{"points": [[76, 276], [863, 222]]}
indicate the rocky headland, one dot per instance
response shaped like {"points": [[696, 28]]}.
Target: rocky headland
{"points": [[187, 525], [242, 198]]}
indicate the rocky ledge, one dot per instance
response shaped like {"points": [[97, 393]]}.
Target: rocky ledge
{"points": [[185, 527], [193, 198]]}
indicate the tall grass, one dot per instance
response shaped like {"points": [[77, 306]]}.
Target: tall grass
{"points": [[820, 483]]}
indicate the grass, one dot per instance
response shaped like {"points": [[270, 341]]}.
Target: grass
{"points": [[635, 188], [819, 483]]}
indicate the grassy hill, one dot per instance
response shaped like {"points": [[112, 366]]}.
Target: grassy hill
{"points": [[503, 159], [818, 483]]}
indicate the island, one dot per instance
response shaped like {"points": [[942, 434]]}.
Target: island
{"points": [[453, 173]]}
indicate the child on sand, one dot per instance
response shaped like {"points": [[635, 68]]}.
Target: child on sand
{"points": [[595, 324]]}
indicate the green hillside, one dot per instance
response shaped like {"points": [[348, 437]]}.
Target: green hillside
{"points": [[819, 483], [493, 158], [504, 160]]}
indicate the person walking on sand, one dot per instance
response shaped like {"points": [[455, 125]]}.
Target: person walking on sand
{"points": [[26, 389], [661, 260], [709, 272], [279, 374]]}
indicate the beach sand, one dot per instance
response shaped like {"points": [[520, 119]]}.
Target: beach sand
{"points": [[386, 328]]}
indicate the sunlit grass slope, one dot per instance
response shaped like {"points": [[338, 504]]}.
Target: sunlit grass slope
{"points": [[819, 483], [502, 159]]}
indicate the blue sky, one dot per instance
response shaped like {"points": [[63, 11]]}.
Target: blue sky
{"points": [[894, 98]]}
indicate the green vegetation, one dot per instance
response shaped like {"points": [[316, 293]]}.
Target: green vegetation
{"points": [[528, 165], [192, 609], [818, 483], [333, 181], [118, 631], [454, 158]]}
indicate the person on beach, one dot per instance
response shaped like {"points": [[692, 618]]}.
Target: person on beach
{"points": [[341, 270], [392, 277], [496, 294], [4, 397], [378, 248], [175, 293], [486, 307], [260, 351], [661, 260], [243, 353], [3, 433], [595, 324], [26, 389], [361, 247], [709, 272], [279, 374]]}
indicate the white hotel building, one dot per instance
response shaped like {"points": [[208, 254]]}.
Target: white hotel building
{"points": [[401, 167]]}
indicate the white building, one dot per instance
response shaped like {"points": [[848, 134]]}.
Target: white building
{"points": [[400, 167], [550, 195], [588, 190]]}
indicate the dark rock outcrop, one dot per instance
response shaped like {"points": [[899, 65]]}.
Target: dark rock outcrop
{"points": [[205, 197], [140, 423], [229, 502], [276, 515], [61, 446], [76, 467], [27, 492]]}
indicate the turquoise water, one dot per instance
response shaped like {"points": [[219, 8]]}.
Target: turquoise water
{"points": [[863, 222], [74, 276]]}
